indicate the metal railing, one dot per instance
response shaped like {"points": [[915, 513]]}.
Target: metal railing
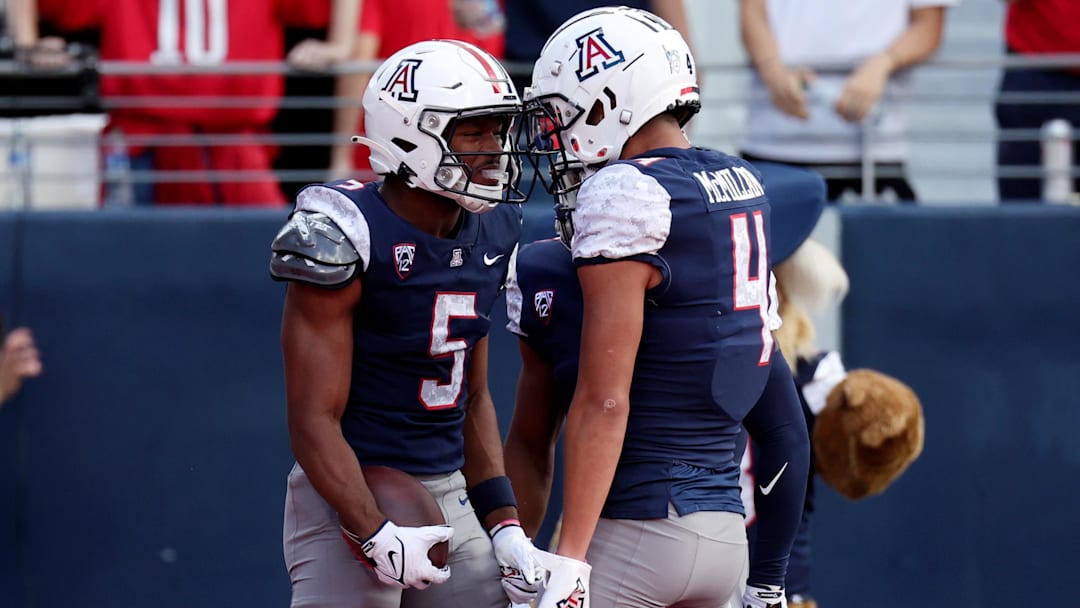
{"points": [[20, 145]]}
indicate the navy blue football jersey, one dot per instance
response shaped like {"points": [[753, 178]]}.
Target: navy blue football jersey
{"points": [[544, 307], [702, 218], [425, 302]]}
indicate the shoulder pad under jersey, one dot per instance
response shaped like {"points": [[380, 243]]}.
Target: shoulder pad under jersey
{"points": [[311, 248]]}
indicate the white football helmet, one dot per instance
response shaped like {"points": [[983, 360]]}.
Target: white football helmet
{"points": [[602, 75], [412, 104]]}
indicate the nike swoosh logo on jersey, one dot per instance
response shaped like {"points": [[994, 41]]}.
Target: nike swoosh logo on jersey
{"points": [[766, 489], [489, 261]]}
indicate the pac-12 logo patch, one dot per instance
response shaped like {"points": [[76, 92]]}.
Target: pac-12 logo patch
{"points": [[403, 258], [542, 303], [402, 84], [595, 53]]}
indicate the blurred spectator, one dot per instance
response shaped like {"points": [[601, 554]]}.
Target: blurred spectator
{"points": [[187, 107], [309, 22], [529, 23], [386, 27], [19, 360], [1033, 28], [39, 49], [816, 118]]}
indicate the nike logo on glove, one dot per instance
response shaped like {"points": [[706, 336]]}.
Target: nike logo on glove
{"points": [[490, 261], [766, 489], [397, 571], [464, 500]]}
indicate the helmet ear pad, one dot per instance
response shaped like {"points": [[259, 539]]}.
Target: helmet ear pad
{"points": [[412, 104]]}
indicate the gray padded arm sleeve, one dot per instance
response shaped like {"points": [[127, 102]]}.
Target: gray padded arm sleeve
{"points": [[311, 248]]}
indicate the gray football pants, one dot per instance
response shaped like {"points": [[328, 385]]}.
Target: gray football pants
{"points": [[325, 574], [695, 561]]}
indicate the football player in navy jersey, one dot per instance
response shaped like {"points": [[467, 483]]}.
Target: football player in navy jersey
{"points": [[384, 335], [671, 249]]}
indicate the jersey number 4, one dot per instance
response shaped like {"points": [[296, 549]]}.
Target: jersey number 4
{"points": [[448, 305], [751, 290]]}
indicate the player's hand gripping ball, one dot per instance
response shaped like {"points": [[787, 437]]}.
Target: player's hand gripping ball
{"points": [[411, 547]]}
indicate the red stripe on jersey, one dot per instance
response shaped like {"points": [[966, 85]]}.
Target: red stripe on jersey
{"points": [[483, 61]]}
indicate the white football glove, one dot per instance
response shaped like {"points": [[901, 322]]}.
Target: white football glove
{"points": [[514, 552], [567, 584], [399, 555], [769, 596]]}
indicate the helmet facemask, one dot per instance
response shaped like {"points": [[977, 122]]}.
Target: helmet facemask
{"points": [[497, 179], [564, 172]]}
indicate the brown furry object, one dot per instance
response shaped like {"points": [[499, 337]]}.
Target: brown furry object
{"points": [[869, 432]]}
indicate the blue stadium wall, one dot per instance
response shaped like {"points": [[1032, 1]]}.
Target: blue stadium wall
{"points": [[147, 467]]}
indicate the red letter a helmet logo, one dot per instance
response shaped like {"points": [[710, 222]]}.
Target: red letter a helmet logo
{"points": [[595, 53], [402, 84]]}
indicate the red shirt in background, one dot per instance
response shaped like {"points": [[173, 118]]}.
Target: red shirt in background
{"points": [[177, 32], [164, 32], [399, 24], [1035, 27]]}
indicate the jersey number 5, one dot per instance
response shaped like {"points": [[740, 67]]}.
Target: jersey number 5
{"points": [[448, 305], [752, 291]]}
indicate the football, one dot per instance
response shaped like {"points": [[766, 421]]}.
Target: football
{"points": [[406, 501]]}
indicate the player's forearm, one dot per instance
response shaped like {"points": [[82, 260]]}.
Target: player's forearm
{"points": [[595, 429], [531, 472], [920, 40], [334, 471], [484, 460], [483, 444]]}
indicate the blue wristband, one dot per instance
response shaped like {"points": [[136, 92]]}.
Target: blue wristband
{"points": [[491, 494]]}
